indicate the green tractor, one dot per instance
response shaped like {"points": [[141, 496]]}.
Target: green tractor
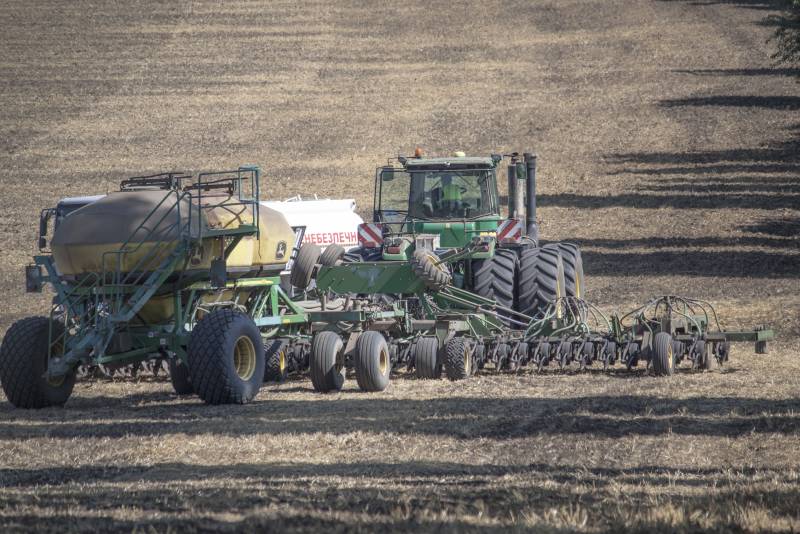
{"points": [[446, 204]]}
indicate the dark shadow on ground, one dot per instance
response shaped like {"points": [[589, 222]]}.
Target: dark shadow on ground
{"points": [[767, 71], [458, 417]]}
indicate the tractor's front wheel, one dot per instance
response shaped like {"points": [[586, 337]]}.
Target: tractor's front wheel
{"points": [[23, 363], [226, 358]]}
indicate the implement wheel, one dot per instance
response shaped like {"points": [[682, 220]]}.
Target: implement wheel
{"points": [[23, 362], [426, 266], [179, 376], [276, 369], [426, 358], [495, 277], [573, 268], [327, 362], [331, 255], [226, 358], [541, 280], [373, 363], [458, 359], [303, 267], [663, 355]]}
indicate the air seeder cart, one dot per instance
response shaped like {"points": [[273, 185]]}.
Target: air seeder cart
{"points": [[170, 266]]}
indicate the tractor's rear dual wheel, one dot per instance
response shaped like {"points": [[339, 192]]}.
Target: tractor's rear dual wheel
{"points": [[541, 280], [495, 277], [226, 358], [23, 362], [573, 268]]}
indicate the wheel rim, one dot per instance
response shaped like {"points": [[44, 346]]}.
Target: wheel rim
{"points": [[578, 288], [670, 362], [282, 361], [244, 358], [56, 381], [383, 361], [436, 262], [467, 361]]}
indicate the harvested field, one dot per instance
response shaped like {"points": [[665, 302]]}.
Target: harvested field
{"points": [[669, 148]]}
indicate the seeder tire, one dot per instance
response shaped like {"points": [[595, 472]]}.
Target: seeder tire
{"points": [[708, 361], [23, 362], [426, 358], [303, 267], [331, 255], [373, 363], [276, 369], [226, 358], [541, 280], [458, 359], [327, 362], [663, 355], [179, 377]]}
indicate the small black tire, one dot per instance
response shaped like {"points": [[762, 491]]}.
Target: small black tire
{"points": [[276, 369], [303, 267], [373, 363], [179, 377], [541, 280], [327, 362], [663, 355], [331, 255], [23, 362], [226, 358], [574, 279], [458, 359], [706, 359], [426, 358], [495, 278], [426, 266]]}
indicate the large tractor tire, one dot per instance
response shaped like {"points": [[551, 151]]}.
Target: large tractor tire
{"points": [[541, 280], [426, 358], [276, 369], [574, 281], [303, 267], [179, 377], [226, 358], [426, 266], [458, 359], [23, 362], [494, 278], [327, 362], [373, 363], [331, 255], [663, 355]]}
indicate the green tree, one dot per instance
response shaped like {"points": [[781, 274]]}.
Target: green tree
{"points": [[787, 36]]}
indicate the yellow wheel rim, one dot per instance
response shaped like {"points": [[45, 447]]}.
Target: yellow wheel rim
{"points": [[244, 358], [467, 362], [282, 361], [57, 349], [383, 362], [670, 361], [578, 288], [559, 294]]}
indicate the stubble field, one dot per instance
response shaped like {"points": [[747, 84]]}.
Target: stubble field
{"points": [[669, 148]]}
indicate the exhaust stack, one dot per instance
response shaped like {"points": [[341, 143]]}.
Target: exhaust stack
{"points": [[530, 194]]}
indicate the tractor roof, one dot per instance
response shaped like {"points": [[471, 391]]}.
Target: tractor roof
{"points": [[454, 162]]}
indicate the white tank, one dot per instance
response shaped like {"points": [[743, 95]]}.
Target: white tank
{"points": [[326, 221]]}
